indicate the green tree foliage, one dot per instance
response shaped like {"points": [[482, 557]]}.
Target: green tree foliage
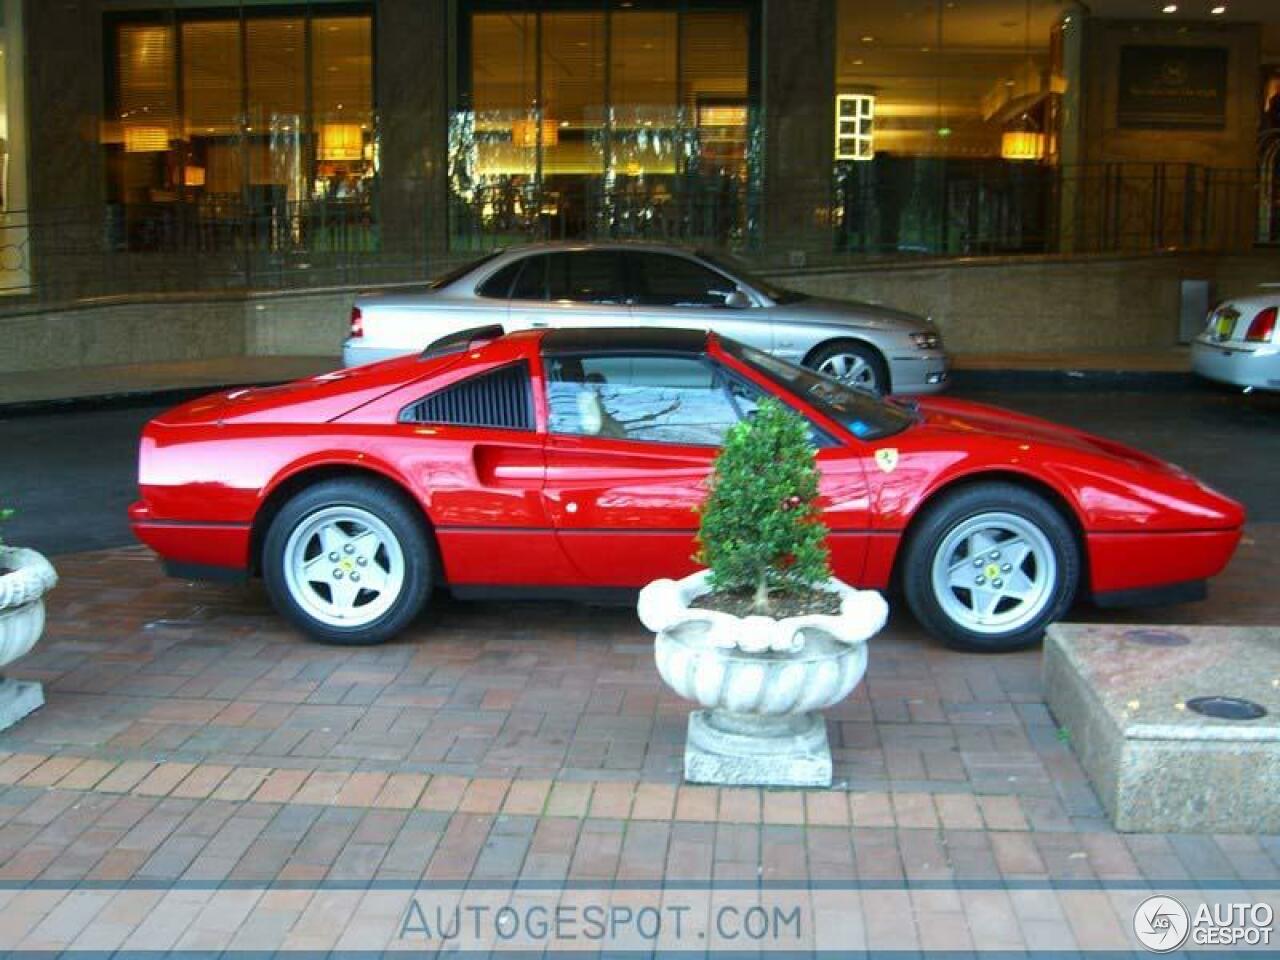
{"points": [[5, 514], [761, 529]]}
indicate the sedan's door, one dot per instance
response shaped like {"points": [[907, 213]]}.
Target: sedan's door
{"points": [[572, 288], [669, 290]]}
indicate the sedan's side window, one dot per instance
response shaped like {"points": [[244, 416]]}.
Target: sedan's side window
{"points": [[666, 281], [586, 276], [498, 286], [656, 399], [531, 284]]}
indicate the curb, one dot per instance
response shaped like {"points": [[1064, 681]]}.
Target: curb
{"points": [[122, 400], [1160, 381]]}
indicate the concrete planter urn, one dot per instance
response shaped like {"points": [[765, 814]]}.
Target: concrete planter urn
{"points": [[761, 682], [25, 577]]}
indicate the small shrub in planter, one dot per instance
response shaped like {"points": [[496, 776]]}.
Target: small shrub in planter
{"points": [[761, 533], [765, 638]]}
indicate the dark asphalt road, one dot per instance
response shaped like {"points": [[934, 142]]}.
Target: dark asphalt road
{"points": [[71, 475]]}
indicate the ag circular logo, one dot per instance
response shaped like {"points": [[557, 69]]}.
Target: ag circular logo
{"points": [[1161, 924]]}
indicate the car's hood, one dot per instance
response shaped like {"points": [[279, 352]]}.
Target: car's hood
{"points": [[960, 416], [824, 310]]}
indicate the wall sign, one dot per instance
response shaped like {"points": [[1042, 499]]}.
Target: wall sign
{"points": [[1173, 88]]}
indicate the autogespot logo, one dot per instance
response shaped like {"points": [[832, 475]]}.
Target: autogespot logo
{"points": [[1161, 924]]}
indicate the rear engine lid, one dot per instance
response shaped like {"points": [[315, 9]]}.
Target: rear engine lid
{"points": [[317, 399]]}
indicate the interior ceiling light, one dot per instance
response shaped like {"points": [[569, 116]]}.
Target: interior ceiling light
{"points": [[1219, 10], [1169, 8]]}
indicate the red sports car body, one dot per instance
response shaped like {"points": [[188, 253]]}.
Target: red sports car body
{"points": [[566, 459]]}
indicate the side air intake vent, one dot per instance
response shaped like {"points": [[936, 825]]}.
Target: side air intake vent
{"points": [[499, 399]]}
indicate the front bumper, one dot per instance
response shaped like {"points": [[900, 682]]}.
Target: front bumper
{"points": [[926, 371], [1257, 367]]}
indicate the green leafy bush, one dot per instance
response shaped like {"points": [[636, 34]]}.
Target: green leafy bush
{"points": [[5, 514], [761, 532]]}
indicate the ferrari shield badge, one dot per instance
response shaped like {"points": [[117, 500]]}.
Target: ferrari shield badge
{"points": [[887, 459]]}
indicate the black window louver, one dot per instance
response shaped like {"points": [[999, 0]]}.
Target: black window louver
{"points": [[499, 399]]}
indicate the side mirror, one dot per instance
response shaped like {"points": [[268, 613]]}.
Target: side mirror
{"points": [[737, 300]]}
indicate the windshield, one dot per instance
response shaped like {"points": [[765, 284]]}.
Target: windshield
{"points": [[457, 272], [735, 267], [867, 417]]}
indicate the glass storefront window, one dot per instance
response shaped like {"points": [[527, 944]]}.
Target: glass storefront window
{"points": [[615, 118], [15, 272], [242, 129], [958, 156]]}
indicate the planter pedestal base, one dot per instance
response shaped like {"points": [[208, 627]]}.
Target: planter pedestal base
{"points": [[745, 750], [17, 699]]}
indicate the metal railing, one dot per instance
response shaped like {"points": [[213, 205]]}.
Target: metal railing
{"points": [[976, 210], [868, 214], [177, 247]]}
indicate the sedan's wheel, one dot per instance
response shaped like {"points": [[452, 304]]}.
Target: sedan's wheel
{"points": [[347, 562], [990, 567], [854, 364]]}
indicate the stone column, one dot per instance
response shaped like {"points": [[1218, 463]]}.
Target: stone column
{"points": [[799, 77], [411, 78], [65, 176]]}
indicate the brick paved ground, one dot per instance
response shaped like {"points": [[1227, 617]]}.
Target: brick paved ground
{"points": [[190, 736]]}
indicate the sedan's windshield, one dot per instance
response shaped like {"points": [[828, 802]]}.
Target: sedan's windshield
{"points": [[865, 416], [737, 269]]}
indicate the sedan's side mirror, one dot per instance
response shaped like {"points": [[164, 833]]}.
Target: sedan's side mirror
{"points": [[737, 300]]}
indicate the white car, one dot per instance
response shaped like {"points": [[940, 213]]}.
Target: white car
{"points": [[629, 285], [1240, 344]]}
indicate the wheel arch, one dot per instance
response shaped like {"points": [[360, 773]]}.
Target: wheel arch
{"points": [[291, 484], [1031, 484], [857, 341]]}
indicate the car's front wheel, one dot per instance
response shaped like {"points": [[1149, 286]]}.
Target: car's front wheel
{"points": [[990, 566], [348, 562]]}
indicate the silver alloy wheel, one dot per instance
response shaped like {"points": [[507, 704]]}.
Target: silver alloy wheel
{"points": [[344, 566], [850, 368], [994, 573]]}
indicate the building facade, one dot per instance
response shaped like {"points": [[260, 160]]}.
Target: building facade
{"points": [[188, 145]]}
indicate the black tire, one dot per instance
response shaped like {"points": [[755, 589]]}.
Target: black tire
{"points": [[402, 521], [877, 379], [949, 515]]}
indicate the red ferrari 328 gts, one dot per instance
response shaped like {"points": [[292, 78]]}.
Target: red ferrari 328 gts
{"points": [[563, 461]]}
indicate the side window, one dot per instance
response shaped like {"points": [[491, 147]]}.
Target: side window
{"points": [[656, 399], [746, 397], [532, 282], [666, 281], [501, 399], [498, 286], [586, 276]]}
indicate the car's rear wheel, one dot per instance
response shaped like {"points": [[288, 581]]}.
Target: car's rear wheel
{"points": [[855, 364], [348, 562], [990, 566]]}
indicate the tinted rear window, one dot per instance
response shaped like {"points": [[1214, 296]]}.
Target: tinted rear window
{"points": [[499, 285]]}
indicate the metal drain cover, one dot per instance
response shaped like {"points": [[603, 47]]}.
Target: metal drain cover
{"points": [[1227, 708], [1158, 638]]}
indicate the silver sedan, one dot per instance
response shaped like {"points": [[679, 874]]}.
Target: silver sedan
{"points": [[628, 285]]}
